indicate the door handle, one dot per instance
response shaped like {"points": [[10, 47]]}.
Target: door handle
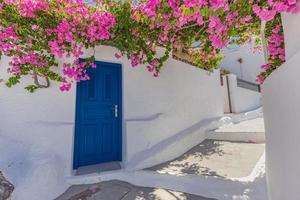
{"points": [[116, 111]]}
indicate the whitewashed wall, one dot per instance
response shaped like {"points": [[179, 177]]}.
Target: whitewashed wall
{"points": [[292, 33], [241, 99], [281, 107], [250, 67], [44, 118], [160, 111], [226, 96], [43, 123], [163, 116]]}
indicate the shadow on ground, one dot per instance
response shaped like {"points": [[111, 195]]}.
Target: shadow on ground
{"points": [[215, 158], [118, 190]]}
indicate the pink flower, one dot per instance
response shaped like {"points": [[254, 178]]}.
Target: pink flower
{"points": [[265, 67], [200, 21], [246, 19], [93, 65], [65, 86], [118, 56], [156, 74], [163, 37], [150, 68], [35, 27], [133, 32], [260, 79], [155, 63], [264, 14], [15, 70], [135, 61], [217, 41]]}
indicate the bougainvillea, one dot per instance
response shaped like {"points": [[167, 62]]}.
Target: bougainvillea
{"points": [[275, 47], [38, 33]]}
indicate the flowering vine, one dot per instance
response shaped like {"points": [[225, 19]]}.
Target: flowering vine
{"points": [[275, 47], [37, 33]]}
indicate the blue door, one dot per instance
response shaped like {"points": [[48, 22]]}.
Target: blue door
{"points": [[98, 134]]}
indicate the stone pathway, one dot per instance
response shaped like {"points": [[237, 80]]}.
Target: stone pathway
{"points": [[215, 158], [118, 190], [251, 126], [249, 130], [232, 154]]}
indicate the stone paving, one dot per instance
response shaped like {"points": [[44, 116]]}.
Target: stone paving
{"points": [[251, 126], [215, 158], [227, 159], [118, 190]]}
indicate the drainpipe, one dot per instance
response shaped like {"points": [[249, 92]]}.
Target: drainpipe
{"points": [[263, 39]]}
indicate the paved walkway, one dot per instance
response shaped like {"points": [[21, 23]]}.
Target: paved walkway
{"points": [[118, 190], [225, 156], [215, 158], [252, 126]]}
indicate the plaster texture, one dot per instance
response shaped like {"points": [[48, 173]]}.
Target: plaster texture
{"points": [[290, 24], [162, 117], [281, 110]]}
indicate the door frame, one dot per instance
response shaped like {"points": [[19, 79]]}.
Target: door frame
{"points": [[76, 126]]}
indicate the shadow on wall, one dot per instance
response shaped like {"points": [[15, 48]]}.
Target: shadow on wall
{"points": [[201, 127], [143, 119]]}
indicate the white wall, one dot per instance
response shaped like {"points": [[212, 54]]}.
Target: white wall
{"points": [[43, 122], [242, 100], [281, 107], [44, 118], [162, 116], [291, 33], [158, 111], [250, 67], [281, 99], [226, 102]]}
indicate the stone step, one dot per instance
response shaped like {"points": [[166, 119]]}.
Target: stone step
{"points": [[246, 131]]}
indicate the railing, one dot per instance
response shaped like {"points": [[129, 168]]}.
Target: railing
{"points": [[248, 85]]}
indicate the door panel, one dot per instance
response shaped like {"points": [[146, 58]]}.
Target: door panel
{"points": [[98, 126]]}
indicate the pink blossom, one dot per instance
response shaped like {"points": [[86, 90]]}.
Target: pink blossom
{"points": [[260, 79], [135, 61], [118, 56], [265, 66], [133, 32], [150, 68], [65, 86]]}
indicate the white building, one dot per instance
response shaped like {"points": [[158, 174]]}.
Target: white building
{"points": [[121, 114], [281, 110], [241, 92], [243, 61]]}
